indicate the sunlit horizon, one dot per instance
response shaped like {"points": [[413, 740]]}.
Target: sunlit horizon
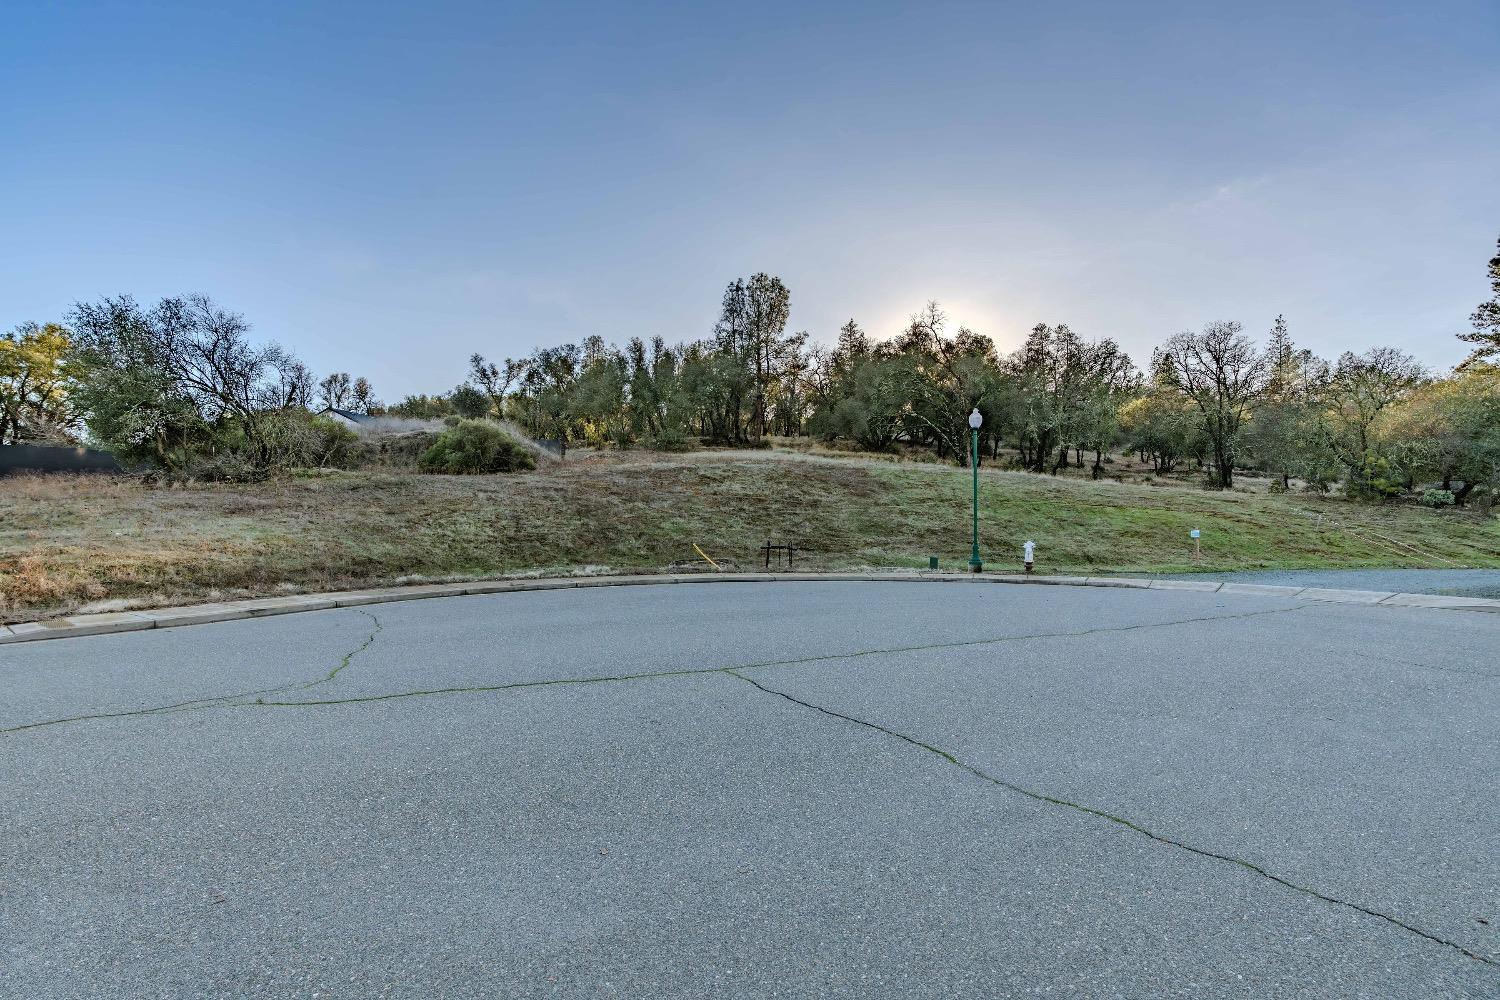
{"points": [[498, 178]]}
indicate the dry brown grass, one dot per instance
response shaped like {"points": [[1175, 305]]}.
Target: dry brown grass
{"points": [[68, 542]]}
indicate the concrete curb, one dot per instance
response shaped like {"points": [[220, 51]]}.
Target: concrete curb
{"points": [[202, 614]]}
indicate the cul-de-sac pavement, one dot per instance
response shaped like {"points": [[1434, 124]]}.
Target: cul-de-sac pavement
{"points": [[760, 790]]}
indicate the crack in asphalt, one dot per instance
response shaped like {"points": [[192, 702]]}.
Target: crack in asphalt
{"points": [[960, 644], [1122, 821], [238, 699], [349, 656], [796, 661], [1458, 670], [216, 701], [482, 688]]}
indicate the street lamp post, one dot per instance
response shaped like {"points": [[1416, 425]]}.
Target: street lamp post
{"points": [[975, 563]]}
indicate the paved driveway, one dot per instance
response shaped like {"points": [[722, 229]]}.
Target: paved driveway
{"points": [[760, 790]]}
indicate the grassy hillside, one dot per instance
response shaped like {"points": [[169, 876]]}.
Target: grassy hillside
{"points": [[67, 542]]}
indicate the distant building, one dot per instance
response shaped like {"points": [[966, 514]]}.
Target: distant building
{"points": [[347, 418]]}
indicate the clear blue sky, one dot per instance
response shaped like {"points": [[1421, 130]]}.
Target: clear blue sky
{"points": [[388, 188]]}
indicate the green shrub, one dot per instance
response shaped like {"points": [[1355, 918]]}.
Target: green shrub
{"points": [[1373, 480], [401, 450], [222, 467], [475, 447], [278, 442], [1438, 498], [295, 439], [667, 439]]}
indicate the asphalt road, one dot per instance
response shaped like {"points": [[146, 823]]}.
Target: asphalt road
{"points": [[760, 790], [1459, 582]]}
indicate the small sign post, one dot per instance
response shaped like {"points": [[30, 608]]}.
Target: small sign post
{"points": [[1197, 537]]}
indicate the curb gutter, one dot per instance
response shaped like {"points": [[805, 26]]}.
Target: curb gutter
{"points": [[200, 614]]}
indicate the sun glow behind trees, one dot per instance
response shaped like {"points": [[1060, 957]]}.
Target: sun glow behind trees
{"points": [[183, 379]]}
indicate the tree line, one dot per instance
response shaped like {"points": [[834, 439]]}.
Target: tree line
{"points": [[182, 379], [177, 385], [1214, 399]]}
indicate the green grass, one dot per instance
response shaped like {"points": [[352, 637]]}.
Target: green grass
{"points": [[70, 542], [1114, 527]]}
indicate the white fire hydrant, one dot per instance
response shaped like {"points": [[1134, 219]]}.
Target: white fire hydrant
{"points": [[1028, 555]]}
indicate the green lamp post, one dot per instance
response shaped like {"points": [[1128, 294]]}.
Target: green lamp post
{"points": [[975, 563]]}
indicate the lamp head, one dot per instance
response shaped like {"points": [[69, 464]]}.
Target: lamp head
{"points": [[975, 419]]}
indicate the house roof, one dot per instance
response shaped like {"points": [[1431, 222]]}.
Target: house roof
{"points": [[350, 415]]}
